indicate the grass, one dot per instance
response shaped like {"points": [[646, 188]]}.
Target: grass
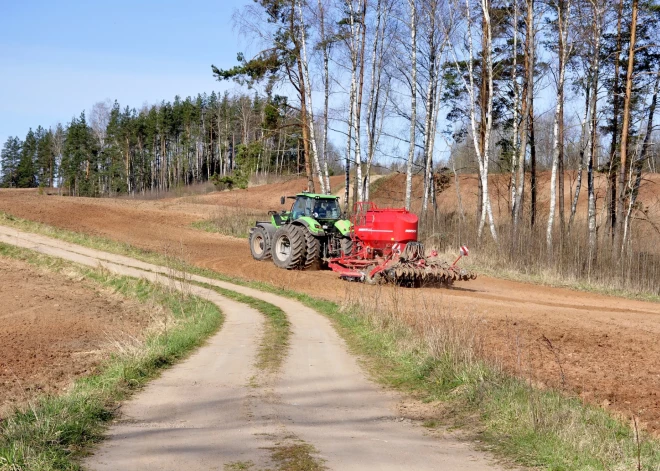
{"points": [[230, 221], [296, 455], [441, 361], [55, 431], [549, 278]]}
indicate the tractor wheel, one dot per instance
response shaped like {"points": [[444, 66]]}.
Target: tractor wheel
{"points": [[312, 252], [260, 244], [288, 249], [347, 246]]}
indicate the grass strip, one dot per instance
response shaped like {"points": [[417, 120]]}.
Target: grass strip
{"points": [[275, 342], [55, 431], [540, 428]]}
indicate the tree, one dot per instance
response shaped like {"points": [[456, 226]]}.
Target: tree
{"points": [[283, 59], [413, 106], [481, 138], [618, 245], [26, 176], [10, 158], [563, 8], [45, 157]]}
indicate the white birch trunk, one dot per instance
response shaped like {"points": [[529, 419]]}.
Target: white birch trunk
{"points": [[413, 105], [563, 31], [326, 97], [308, 93], [516, 105], [591, 210], [373, 102], [354, 102]]}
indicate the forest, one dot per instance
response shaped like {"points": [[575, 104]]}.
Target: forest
{"points": [[471, 86]]}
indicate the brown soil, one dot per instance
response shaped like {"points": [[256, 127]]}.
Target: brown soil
{"points": [[607, 347], [54, 329]]}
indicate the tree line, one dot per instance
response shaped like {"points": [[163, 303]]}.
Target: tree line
{"points": [[159, 147]]}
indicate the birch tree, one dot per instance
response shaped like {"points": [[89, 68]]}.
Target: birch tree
{"points": [[434, 50], [413, 98], [563, 8], [307, 85], [527, 97], [482, 152]]}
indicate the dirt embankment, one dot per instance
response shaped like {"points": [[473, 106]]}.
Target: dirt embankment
{"points": [[54, 329], [605, 347]]}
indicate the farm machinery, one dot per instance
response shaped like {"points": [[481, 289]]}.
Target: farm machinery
{"points": [[377, 245]]}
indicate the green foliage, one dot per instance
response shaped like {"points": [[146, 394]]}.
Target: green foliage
{"points": [[25, 170], [160, 147], [10, 157], [229, 182]]}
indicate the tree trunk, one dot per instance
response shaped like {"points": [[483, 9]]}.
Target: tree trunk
{"points": [[562, 15], [374, 98], [639, 165], [516, 105], [413, 109], [584, 139], [616, 100], [430, 113], [532, 158], [326, 95], [593, 128], [624, 132], [527, 94], [308, 89]]}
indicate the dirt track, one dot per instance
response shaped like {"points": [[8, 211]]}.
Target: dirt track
{"points": [[208, 412], [607, 346]]}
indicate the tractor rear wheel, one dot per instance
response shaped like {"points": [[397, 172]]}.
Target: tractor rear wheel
{"points": [[260, 244], [312, 252], [289, 245], [346, 246]]}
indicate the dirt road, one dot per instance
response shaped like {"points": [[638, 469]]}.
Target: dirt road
{"points": [[607, 347], [215, 409]]}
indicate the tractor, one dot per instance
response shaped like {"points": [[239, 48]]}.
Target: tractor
{"points": [[312, 231], [377, 245]]}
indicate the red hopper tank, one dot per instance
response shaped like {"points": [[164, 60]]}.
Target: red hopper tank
{"points": [[382, 227]]}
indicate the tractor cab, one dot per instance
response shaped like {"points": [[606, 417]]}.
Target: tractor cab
{"points": [[315, 206]]}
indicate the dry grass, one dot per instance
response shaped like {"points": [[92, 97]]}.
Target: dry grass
{"points": [[231, 221], [436, 352], [524, 256]]}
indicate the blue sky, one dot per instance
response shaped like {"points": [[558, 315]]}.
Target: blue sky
{"points": [[59, 58]]}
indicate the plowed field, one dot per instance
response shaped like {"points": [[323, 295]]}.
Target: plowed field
{"points": [[53, 330], [606, 347]]}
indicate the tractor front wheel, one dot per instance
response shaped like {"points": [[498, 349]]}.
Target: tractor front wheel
{"points": [[259, 244], [289, 247]]}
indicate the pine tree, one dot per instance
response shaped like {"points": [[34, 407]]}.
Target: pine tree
{"points": [[25, 172], [9, 159]]}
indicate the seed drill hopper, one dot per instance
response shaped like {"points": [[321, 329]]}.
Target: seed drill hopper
{"points": [[385, 249]]}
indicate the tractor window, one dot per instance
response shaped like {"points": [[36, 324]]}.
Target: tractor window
{"points": [[298, 208], [309, 207], [326, 209]]}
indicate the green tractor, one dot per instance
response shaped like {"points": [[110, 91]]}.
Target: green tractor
{"points": [[313, 230]]}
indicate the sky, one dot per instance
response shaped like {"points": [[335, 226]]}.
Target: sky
{"points": [[58, 58]]}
